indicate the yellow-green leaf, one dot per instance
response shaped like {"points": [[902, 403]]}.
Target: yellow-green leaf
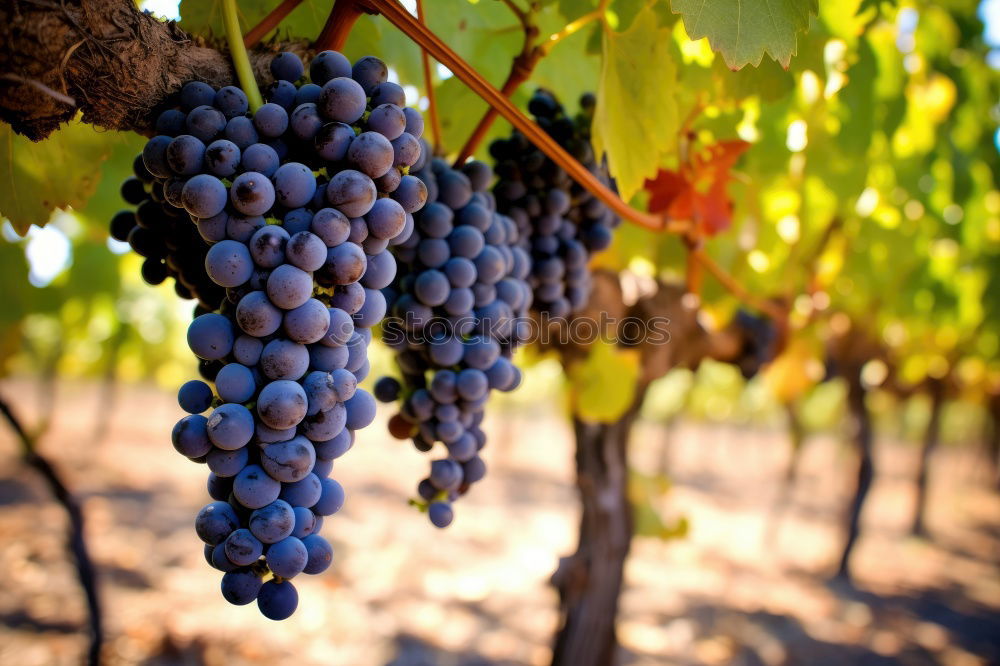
{"points": [[743, 30], [603, 385], [58, 173], [636, 119]]}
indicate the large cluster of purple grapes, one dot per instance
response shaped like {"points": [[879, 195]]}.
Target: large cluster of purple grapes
{"points": [[458, 311], [297, 203], [164, 236], [561, 224]]}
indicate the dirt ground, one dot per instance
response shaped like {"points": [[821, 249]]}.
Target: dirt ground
{"points": [[739, 589]]}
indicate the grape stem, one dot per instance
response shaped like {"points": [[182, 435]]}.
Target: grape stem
{"points": [[343, 16], [269, 22], [426, 39], [523, 64], [238, 52], [432, 112], [85, 570]]}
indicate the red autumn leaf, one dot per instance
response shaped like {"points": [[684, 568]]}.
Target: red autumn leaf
{"points": [[697, 191]]}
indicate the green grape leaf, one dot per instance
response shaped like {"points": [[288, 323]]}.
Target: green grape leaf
{"points": [[743, 30], [636, 119], [59, 173], [603, 385]]}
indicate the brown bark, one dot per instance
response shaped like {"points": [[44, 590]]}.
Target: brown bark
{"points": [[102, 57], [931, 438], [590, 581], [861, 434]]}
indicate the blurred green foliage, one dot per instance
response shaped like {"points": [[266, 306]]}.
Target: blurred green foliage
{"points": [[869, 196]]}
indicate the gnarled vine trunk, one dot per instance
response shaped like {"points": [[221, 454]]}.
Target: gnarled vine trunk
{"points": [[931, 438], [861, 435], [590, 580]]}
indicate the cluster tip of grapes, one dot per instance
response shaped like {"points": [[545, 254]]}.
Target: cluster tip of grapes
{"points": [[279, 223], [458, 312]]}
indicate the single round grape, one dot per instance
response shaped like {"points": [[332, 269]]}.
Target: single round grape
{"points": [[253, 488], [196, 93], [228, 263], [388, 120], [222, 158], [327, 359], [171, 122], [252, 193], [194, 396], [240, 131], [307, 94], [284, 359], [331, 498], [235, 383], [319, 554], [385, 219], [307, 323], [267, 246], [204, 196], [471, 384], [342, 100], [304, 492], [230, 426], [215, 522], [387, 389], [340, 330], [260, 158], [287, 558], [190, 437], [440, 514], [345, 264], [288, 461], [411, 193], [286, 66], [185, 155], [369, 71], [325, 425], [289, 287], [205, 122], [210, 336], [351, 192], [231, 101], [332, 226], [271, 120], [329, 65], [414, 122], [282, 404], [333, 140], [277, 601], [257, 316], [273, 522], [406, 150], [247, 349], [294, 185], [154, 156], [306, 251], [336, 447], [225, 464], [379, 271], [371, 153], [305, 121], [243, 548]]}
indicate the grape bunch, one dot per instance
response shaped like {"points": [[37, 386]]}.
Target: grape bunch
{"points": [[560, 223], [297, 204], [458, 310], [162, 234]]}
